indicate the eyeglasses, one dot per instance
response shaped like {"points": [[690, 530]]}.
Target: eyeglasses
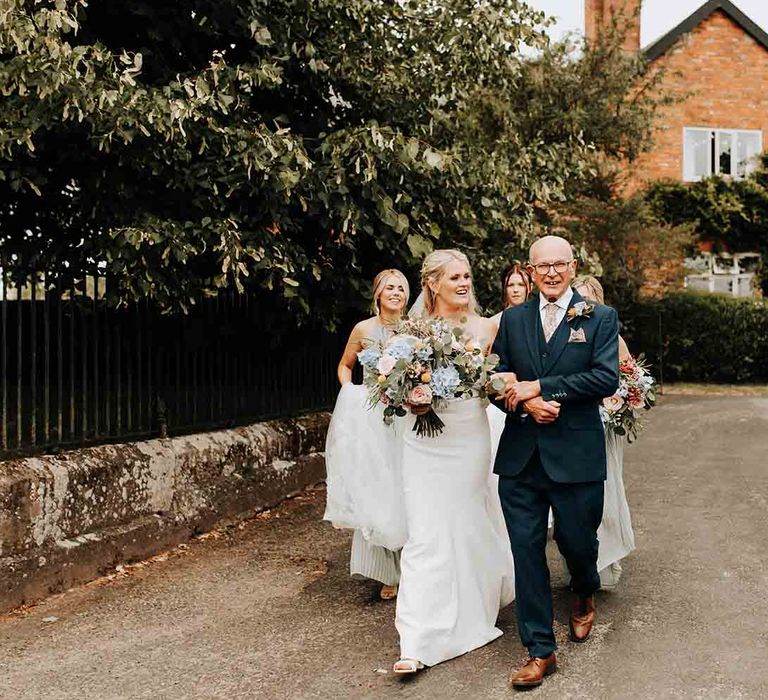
{"points": [[544, 268]]}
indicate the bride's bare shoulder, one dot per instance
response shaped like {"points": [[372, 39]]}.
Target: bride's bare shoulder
{"points": [[488, 325], [481, 328]]}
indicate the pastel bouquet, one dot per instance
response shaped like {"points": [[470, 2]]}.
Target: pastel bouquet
{"points": [[424, 364], [636, 393]]}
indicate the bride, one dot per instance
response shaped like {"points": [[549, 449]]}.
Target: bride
{"points": [[456, 565]]}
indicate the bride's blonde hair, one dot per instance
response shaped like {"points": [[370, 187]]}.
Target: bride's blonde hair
{"points": [[433, 270]]}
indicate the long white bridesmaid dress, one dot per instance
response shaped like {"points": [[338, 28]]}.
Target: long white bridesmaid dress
{"points": [[456, 565], [615, 533], [362, 457]]}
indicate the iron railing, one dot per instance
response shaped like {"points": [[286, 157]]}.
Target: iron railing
{"points": [[76, 371]]}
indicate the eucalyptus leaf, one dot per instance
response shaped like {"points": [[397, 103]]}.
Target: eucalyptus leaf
{"points": [[295, 148]]}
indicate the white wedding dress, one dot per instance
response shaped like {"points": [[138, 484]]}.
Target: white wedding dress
{"points": [[496, 421], [456, 565]]}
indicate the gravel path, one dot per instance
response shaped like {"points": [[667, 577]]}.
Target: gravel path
{"points": [[266, 610]]}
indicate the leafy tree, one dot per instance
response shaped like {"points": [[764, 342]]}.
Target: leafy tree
{"points": [[638, 252], [729, 215], [302, 144], [609, 98], [598, 94], [594, 91]]}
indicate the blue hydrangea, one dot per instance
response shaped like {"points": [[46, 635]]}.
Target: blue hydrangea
{"points": [[401, 348], [445, 381], [368, 357], [580, 308], [424, 353]]}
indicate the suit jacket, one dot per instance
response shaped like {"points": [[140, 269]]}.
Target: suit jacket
{"points": [[576, 374]]}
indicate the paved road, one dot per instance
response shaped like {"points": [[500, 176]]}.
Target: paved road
{"points": [[266, 610]]}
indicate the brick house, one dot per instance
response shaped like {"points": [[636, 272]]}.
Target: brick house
{"points": [[719, 56]]}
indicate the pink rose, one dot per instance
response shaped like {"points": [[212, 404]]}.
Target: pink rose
{"points": [[613, 403], [386, 364], [421, 395]]}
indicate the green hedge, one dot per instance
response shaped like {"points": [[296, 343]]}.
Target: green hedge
{"points": [[701, 337]]}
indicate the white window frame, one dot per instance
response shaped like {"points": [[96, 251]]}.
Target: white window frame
{"points": [[714, 163]]}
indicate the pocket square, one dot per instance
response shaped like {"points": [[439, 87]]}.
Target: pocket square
{"points": [[577, 336]]}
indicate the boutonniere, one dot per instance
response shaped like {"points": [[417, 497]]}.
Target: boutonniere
{"points": [[581, 309]]}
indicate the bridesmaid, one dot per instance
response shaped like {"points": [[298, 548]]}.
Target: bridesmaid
{"points": [[515, 288], [390, 298], [615, 533]]}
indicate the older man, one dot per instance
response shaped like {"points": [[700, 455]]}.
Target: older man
{"points": [[564, 353]]}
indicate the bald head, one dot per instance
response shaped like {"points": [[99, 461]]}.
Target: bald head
{"points": [[552, 266], [547, 247]]}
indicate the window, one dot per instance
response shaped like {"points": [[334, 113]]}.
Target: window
{"points": [[726, 152]]}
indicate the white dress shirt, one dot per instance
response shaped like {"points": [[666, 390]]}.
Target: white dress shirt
{"points": [[562, 306]]}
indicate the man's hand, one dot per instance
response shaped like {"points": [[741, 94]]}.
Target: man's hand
{"points": [[521, 391], [542, 411]]}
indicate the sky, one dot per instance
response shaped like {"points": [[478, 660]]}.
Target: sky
{"points": [[658, 16]]}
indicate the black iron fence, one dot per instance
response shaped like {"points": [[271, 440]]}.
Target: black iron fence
{"points": [[75, 371]]}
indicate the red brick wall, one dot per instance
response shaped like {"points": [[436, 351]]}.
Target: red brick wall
{"points": [[727, 70], [598, 13]]}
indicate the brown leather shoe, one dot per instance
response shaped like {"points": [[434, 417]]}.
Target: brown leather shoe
{"points": [[534, 671], [582, 617]]}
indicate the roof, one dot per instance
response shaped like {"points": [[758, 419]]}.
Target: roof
{"points": [[661, 46]]}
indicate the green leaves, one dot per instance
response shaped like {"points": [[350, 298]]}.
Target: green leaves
{"points": [[261, 34], [670, 332], [729, 214], [297, 147], [419, 246], [434, 159]]}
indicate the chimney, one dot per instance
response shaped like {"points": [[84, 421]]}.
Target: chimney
{"points": [[599, 14]]}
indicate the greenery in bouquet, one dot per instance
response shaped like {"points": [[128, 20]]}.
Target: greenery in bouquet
{"points": [[422, 366], [636, 393]]}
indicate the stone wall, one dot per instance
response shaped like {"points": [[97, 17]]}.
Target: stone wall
{"points": [[68, 518]]}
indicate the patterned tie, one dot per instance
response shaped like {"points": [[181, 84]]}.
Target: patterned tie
{"points": [[550, 320]]}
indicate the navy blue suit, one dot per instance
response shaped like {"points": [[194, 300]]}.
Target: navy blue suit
{"points": [[559, 465]]}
